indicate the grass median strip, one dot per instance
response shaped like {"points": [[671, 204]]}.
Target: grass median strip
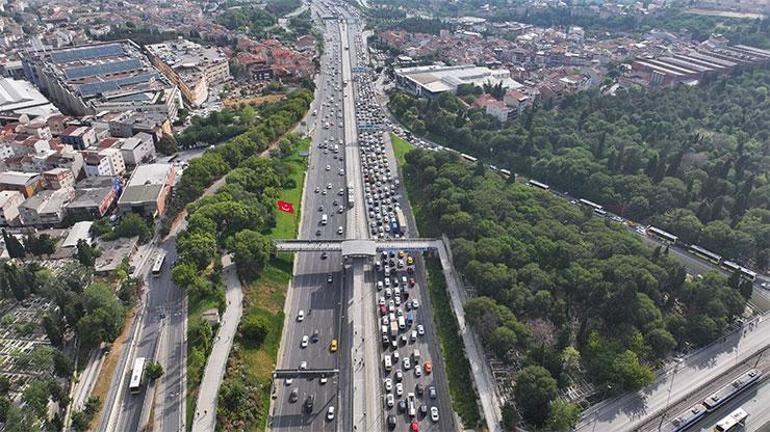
{"points": [[245, 392], [400, 147]]}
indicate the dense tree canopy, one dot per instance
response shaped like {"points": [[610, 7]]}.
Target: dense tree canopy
{"points": [[575, 294], [692, 160]]}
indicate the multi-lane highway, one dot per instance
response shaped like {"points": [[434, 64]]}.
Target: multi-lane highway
{"points": [[311, 294]]}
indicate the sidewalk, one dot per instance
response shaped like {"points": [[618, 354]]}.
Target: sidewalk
{"points": [[206, 407]]}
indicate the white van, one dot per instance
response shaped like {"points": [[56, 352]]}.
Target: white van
{"points": [[324, 219], [387, 362], [416, 355], [401, 323]]}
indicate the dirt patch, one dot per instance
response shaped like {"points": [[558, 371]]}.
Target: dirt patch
{"points": [[104, 380]]}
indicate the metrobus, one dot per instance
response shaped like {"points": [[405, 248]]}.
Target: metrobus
{"points": [[733, 267], [732, 422], [590, 204], [351, 196], [137, 375], [157, 266], [662, 235], [705, 254], [537, 184], [505, 172], [468, 157]]}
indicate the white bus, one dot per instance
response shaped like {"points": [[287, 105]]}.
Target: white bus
{"points": [[538, 184], [662, 235], [732, 422], [590, 204], [137, 375], [157, 266]]}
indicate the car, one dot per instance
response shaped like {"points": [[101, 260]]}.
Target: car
{"points": [[434, 414], [415, 304], [420, 330], [428, 366], [407, 363], [301, 315], [399, 389], [418, 371], [304, 341], [414, 426], [323, 380], [329, 278], [317, 189], [391, 421], [303, 365], [328, 167], [309, 403], [388, 384], [390, 400], [396, 356], [324, 255], [419, 389], [399, 375], [432, 392], [333, 345], [403, 339], [423, 410], [413, 336], [289, 381], [401, 406], [330, 413], [340, 230], [320, 208], [317, 232], [294, 395], [341, 210]]}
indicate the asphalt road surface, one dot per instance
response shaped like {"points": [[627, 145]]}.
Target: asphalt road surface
{"points": [[310, 290]]}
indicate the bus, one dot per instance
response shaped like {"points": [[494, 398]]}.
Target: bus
{"points": [[732, 422], [137, 375], [537, 184], [590, 204], [705, 254], [351, 196], [505, 172], [468, 157], [157, 266], [662, 235]]}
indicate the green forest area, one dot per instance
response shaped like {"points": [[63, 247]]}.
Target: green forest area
{"points": [[563, 295], [691, 160]]}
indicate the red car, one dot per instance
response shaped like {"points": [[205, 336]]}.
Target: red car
{"points": [[411, 282], [414, 427], [383, 309]]}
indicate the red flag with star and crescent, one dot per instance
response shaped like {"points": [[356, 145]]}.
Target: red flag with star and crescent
{"points": [[285, 207]]}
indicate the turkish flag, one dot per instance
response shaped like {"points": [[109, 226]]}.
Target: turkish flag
{"points": [[285, 207]]}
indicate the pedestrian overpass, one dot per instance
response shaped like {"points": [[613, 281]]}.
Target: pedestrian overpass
{"points": [[359, 248]]}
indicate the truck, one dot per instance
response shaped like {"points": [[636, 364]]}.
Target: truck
{"points": [[393, 328], [401, 220]]}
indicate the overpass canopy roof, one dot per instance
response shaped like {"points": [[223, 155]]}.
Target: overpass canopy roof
{"points": [[359, 248]]}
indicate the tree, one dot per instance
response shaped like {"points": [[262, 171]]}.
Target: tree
{"points": [[254, 329], [535, 388], [562, 416], [628, 374], [197, 248], [38, 246], [661, 341], [86, 254], [166, 145], [13, 246], [510, 416], [154, 370], [502, 341], [133, 225], [36, 395], [103, 318], [251, 251]]}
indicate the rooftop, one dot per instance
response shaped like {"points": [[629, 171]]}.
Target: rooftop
{"points": [[79, 231], [16, 95], [16, 178], [149, 174]]}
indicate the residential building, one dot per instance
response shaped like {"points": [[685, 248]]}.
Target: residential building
{"points": [[9, 206], [28, 183], [104, 163], [140, 148], [58, 178], [91, 204], [518, 101], [79, 137], [101, 77], [46, 208], [131, 123], [147, 190]]}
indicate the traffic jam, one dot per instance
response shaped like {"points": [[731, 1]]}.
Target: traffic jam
{"points": [[410, 396]]}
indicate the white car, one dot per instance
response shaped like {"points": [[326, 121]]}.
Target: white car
{"points": [[324, 380], [418, 371], [390, 400], [420, 330], [399, 389], [415, 304], [434, 414], [304, 341], [388, 384], [303, 365], [340, 230], [301, 315], [328, 167], [330, 413], [407, 363]]}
